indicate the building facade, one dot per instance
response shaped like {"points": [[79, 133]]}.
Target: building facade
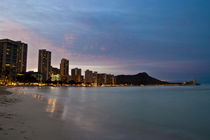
{"points": [[110, 79], [64, 67], [54, 70], [88, 76], [76, 75], [105, 79], [22, 57], [55, 77], [95, 77], [55, 74], [44, 63], [101, 79], [13, 56], [64, 70]]}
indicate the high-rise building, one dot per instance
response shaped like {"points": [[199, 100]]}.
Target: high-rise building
{"points": [[13, 56], [101, 78], [64, 67], [64, 70], [95, 77], [76, 75], [44, 64], [22, 57], [88, 76]]}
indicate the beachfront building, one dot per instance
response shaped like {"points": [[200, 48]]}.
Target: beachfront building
{"points": [[13, 56], [44, 64], [110, 79], [29, 77], [55, 77], [55, 74], [88, 77], [54, 70], [101, 79], [105, 79], [76, 75], [95, 77], [64, 70], [36, 75]]}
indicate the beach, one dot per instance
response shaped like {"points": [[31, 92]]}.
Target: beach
{"points": [[118, 113], [23, 118]]}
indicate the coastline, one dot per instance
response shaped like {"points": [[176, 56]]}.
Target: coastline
{"points": [[13, 85], [3, 91], [23, 118], [27, 119]]}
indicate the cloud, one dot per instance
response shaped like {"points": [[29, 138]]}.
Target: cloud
{"points": [[102, 48], [70, 39], [20, 32], [35, 41], [112, 36]]}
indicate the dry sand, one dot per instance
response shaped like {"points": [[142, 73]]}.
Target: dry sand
{"points": [[23, 118]]}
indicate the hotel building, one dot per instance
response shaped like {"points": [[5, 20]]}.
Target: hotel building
{"points": [[76, 75], [105, 79], [44, 63], [64, 70], [88, 76], [64, 67], [13, 56]]}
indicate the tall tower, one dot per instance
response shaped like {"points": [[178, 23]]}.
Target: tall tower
{"points": [[88, 76], [22, 57], [44, 63], [13, 56], [64, 70], [64, 67]]}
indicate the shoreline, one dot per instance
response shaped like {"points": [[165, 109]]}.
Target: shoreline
{"points": [[27, 119], [23, 118], [4, 91], [66, 85]]}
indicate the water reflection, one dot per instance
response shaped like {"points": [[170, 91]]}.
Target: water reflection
{"points": [[80, 108], [52, 105]]}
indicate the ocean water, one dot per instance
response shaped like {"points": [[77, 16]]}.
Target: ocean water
{"points": [[129, 113]]}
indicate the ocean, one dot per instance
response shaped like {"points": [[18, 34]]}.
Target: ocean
{"points": [[129, 113]]}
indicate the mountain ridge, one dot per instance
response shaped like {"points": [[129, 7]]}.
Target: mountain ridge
{"points": [[138, 79]]}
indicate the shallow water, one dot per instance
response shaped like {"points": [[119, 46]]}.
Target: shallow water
{"points": [[146, 113]]}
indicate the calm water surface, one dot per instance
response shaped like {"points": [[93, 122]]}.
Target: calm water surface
{"points": [[146, 113]]}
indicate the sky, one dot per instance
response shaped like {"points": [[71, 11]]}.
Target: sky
{"points": [[169, 40]]}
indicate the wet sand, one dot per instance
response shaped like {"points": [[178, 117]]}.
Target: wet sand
{"points": [[23, 118]]}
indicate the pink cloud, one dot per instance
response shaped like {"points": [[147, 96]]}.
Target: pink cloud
{"points": [[102, 48], [70, 39], [16, 31]]}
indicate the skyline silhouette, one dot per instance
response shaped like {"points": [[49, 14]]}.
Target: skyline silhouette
{"points": [[169, 40]]}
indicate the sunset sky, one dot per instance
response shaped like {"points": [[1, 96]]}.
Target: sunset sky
{"points": [[168, 39]]}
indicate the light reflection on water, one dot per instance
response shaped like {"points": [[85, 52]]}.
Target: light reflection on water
{"points": [[52, 105], [130, 113]]}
